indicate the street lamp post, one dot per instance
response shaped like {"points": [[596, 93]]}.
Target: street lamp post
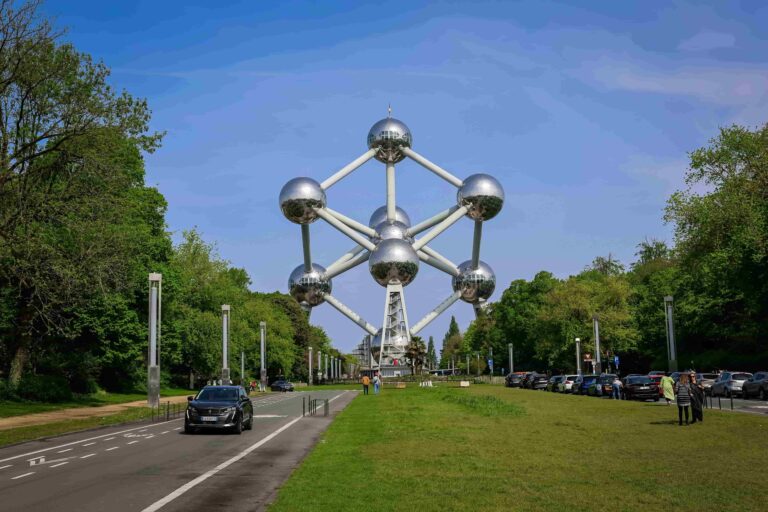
{"points": [[511, 347], [263, 355], [478, 363], [309, 361], [596, 325], [153, 366], [225, 343], [578, 356], [670, 324]]}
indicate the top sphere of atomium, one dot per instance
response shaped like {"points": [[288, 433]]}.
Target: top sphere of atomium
{"points": [[393, 261], [388, 136], [483, 195], [299, 198], [380, 215], [309, 287], [475, 284]]}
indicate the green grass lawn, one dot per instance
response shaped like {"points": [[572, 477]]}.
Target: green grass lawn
{"points": [[13, 408], [493, 448]]}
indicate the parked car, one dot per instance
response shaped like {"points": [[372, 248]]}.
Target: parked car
{"points": [[639, 387], [706, 380], [582, 383], [657, 372], [539, 381], [281, 385], [656, 379], [602, 386], [757, 385], [527, 380], [219, 407], [553, 383], [729, 384], [513, 380], [566, 385]]}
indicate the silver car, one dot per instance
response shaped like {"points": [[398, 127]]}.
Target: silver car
{"points": [[566, 385], [729, 384]]}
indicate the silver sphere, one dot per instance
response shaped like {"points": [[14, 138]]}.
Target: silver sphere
{"points": [[393, 261], [476, 285], [309, 287], [397, 338], [298, 199], [484, 196], [393, 229], [380, 215], [388, 136]]}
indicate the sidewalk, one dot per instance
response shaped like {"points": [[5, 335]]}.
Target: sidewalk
{"points": [[42, 418]]}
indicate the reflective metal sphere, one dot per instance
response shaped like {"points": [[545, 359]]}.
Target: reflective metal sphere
{"points": [[309, 287], [475, 285], [299, 197], [380, 215], [387, 230], [398, 339], [389, 135], [393, 261], [484, 196]]}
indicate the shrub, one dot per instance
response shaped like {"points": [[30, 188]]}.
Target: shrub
{"points": [[44, 388]]}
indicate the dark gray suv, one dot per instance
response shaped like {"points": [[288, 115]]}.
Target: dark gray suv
{"points": [[219, 407]]}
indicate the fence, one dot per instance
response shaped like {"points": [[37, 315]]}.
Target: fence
{"points": [[167, 411], [310, 406]]}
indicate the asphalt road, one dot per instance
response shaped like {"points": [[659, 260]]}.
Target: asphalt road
{"points": [[151, 467]]}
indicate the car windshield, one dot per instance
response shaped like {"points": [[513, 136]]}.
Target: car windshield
{"points": [[708, 376], [741, 376], [639, 380], [589, 380], [217, 394]]}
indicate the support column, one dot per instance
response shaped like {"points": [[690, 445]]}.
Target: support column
{"points": [[596, 325], [309, 361], [225, 344], [263, 355], [391, 212], [153, 358]]}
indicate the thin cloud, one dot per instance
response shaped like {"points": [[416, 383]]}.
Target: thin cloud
{"points": [[707, 40]]}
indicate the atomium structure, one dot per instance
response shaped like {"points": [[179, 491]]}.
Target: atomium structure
{"points": [[391, 245]]}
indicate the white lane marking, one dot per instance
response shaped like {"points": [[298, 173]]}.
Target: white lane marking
{"points": [[89, 455], [268, 416], [22, 476], [80, 441], [88, 444], [109, 438], [143, 430], [59, 464], [113, 448], [40, 461], [67, 450], [161, 433], [150, 436], [177, 428], [131, 442], [6, 466], [205, 476]]}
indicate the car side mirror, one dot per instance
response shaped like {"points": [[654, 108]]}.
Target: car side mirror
{"points": [[190, 398]]}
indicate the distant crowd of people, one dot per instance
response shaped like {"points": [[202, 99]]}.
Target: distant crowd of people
{"points": [[686, 392]]}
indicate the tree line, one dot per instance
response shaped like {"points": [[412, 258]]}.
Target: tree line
{"points": [[80, 231], [717, 272]]}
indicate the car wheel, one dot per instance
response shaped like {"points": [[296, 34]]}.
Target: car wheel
{"points": [[238, 428], [188, 429], [249, 425]]}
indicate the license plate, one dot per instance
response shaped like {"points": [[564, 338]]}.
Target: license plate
{"points": [[208, 418], [644, 387]]}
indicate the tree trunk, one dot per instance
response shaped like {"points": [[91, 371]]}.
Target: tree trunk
{"points": [[20, 359]]}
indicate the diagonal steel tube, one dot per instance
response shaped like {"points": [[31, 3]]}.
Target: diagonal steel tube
{"points": [[436, 255], [450, 178], [437, 263], [341, 173], [354, 235], [435, 313], [426, 224], [347, 256], [357, 226], [344, 310], [442, 226], [336, 269]]}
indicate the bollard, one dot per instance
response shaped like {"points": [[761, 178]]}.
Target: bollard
{"points": [[303, 406], [719, 403], [167, 411], [731, 396]]}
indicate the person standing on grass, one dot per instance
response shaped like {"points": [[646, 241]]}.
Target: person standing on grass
{"points": [[697, 399], [683, 392], [616, 388], [668, 387], [366, 383], [376, 384]]}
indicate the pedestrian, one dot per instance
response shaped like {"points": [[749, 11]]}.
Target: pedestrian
{"points": [[616, 385], [668, 387], [697, 399], [366, 383], [683, 392], [376, 384]]}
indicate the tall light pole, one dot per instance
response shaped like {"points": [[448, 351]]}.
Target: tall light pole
{"points": [[319, 366], [153, 360], [478, 363], [309, 361], [578, 356], [670, 324], [511, 347], [242, 368], [225, 344], [467, 356], [263, 355], [596, 325]]}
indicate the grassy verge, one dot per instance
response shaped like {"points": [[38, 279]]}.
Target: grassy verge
{"points": [[492, 448], [21, 434], [14, 408]]}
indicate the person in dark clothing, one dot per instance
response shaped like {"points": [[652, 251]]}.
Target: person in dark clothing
{"points": [[697, 399], [683, 392]]}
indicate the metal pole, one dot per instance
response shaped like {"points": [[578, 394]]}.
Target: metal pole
{"points": [[153, 359], [439, 228], [669, 303], [344, 310], [511, 358], [467, 358], [476, 243], [225, 343], [391, 192], [242, 368], [578, 356], [263, 354], [478, 363], [432, 221], [435, 313], [596, 325], [348, 169], [306, 246], [442, 173], [309, 360]]}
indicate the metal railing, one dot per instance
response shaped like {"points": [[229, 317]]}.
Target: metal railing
{"points": [[167, 411], [310, 406]]}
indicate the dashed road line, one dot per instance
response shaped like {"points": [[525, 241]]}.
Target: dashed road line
{"points": [[113, 448], [161, 433], [59, 464], [131, 442], [88, 444], [22, 476], [177, 428], [6, 466], [89, 455], [67, 450], [109, 438]]}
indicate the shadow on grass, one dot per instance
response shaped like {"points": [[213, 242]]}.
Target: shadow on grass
{"points": [[665, 422]]}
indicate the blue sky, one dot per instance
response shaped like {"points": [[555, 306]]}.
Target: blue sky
{"points": [[584, 113]]}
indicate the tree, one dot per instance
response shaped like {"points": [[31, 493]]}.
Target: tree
{"points": [[431, 354], [451, 343], [416, 354]]}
